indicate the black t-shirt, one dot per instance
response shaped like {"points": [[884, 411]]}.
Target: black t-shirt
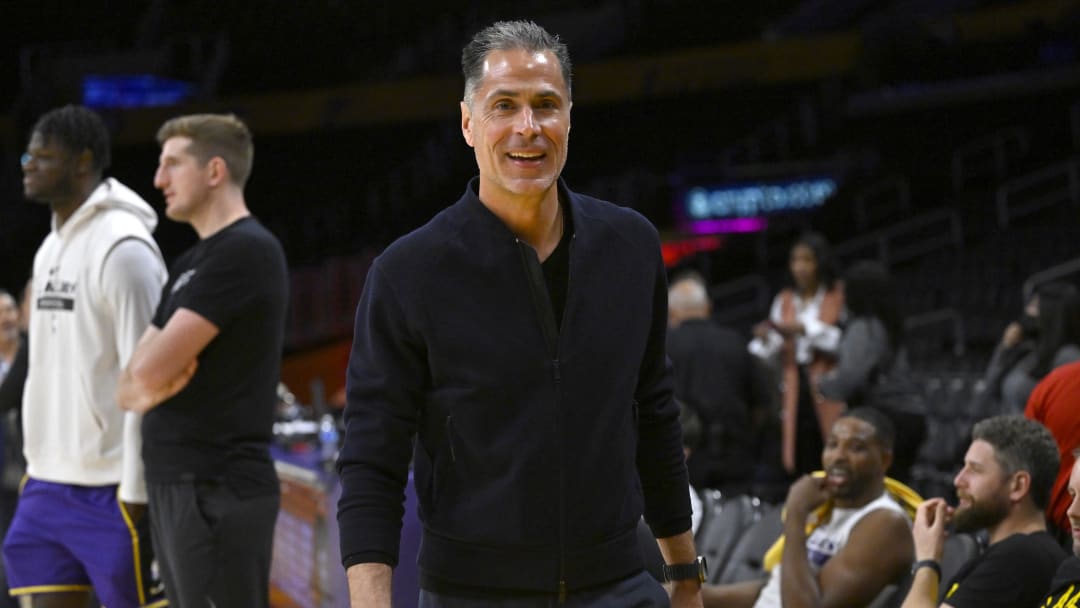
{"points": [[220, 425], [557, 269], [1013, 572], [1065, 590]]}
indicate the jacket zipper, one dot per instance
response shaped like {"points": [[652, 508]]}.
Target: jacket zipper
{"points": [[558, 426], [546, 316], [562, 482]]}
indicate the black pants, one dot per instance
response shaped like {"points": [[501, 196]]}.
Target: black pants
{"points": [[213, 547], [638, 591]]}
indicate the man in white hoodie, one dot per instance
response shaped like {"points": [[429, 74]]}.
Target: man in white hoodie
{"points": [[80, 525]]}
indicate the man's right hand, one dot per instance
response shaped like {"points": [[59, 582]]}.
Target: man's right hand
{"points": [[369, 585], [928, 529], [135, 396]]}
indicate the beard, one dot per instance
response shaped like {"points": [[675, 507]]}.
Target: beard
{"points": [[981, 514]]}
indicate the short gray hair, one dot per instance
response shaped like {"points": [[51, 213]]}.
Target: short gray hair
{"points": [[505, 36], [688, 294]]}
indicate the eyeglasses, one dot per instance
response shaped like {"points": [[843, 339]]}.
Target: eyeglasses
{"points": [[40, 159]]}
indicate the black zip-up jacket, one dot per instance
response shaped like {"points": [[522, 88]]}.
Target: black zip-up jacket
{"points": [[536, 445]]}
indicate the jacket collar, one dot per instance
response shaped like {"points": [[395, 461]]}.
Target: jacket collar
{"points": [[471, 209]]}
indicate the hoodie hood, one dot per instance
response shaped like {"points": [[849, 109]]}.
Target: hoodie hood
{"points": [[110, 194]]}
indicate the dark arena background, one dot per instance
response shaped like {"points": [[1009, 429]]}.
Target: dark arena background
{"points": [[937, 136]]}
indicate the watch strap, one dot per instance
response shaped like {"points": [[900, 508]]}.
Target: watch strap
{"points": [[927, 563], [696, 570]]}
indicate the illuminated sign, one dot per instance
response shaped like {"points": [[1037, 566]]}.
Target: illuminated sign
{"points": [[134, 91], [738, 224], [742, 207], [675, 251]]}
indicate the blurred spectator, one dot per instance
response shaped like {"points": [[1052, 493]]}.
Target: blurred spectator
{"points": [[12, 378], [1055, 403], [722, 383], [801, 336], [13, 357], [1003, 488], [872, 367], [1065, 588], [1046, 336], [10, 336], [11, 395], [859, 541], [691, 438]]}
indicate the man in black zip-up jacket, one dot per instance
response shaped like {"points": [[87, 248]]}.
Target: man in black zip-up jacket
{"points": [[519, 337]]}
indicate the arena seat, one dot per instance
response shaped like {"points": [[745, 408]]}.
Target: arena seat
{"points": [[730, 520], [745, 562], [709, 501], [959, 549]]}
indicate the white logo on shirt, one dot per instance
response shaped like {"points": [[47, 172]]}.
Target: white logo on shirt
{"points": [[182, 280]]}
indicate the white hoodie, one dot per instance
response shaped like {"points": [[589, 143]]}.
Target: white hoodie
{"points": [[97, 280]]}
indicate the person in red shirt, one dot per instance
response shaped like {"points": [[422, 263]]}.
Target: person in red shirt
{"points": [[1054, 402]]}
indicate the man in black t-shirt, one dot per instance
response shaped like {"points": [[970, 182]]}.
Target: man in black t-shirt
{"points": [[1004, 487], [1065, 588], [205, 374]]}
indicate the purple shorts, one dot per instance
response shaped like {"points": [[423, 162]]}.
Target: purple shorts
{"points": [[77, 538]]}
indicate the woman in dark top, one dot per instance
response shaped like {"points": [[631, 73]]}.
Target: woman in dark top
{"points": [[1046, 337], [872, 368]]}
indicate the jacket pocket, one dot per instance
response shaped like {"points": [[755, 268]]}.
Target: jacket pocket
{"points": [[443, 462], [451, 438]]}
